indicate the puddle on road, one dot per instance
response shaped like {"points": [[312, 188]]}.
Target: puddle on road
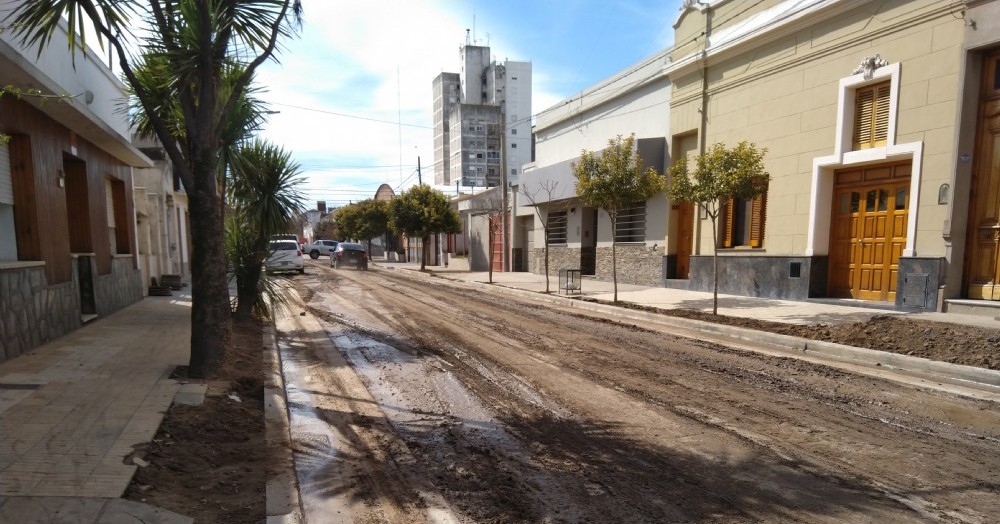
{"points": [[446, 426], [418, 393]]}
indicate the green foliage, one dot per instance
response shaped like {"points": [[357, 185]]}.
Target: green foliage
{"points": [[327, 228], [192, 45], [263, 198], [422, 211], [363, 220], [615, 179], [719, 175]]}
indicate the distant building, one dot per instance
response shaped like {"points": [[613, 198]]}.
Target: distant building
{"points": [[162, 218], [482, 120]]}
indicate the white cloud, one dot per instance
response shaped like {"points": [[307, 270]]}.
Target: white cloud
{"points": [[375, 63]]}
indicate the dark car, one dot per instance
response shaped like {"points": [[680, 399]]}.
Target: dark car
{"points": [[349, 253]]}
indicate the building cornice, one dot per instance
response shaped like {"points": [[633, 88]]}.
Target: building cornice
{"points": [[779, 21]]}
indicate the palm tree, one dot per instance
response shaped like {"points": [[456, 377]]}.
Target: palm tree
{"points": [[263, 200], [191, 45]]}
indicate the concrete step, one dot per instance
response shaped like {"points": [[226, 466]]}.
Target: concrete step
{"points": [[982, 308]]}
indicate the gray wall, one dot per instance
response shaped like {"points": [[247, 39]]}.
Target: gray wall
{"points": [[32, 312]]}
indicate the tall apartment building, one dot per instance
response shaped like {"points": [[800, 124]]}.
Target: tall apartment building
{"points": [[480, 115]]}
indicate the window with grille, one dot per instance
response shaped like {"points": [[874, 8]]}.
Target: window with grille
{"points": [[631, 225], [557, 227], [742, 222], [871, 116]]}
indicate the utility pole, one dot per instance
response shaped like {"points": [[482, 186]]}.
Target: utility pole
{"points": [[420, 178], [505, 240]]}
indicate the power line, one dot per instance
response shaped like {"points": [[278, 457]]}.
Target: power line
{"points": [[345, 115]]}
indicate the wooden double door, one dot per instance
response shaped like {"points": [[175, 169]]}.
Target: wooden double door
{"points": [[869, 231], [983, 266]]}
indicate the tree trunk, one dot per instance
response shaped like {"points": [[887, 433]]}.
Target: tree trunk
{"points": [[248, 279], [547, 260], [246, 289], [423, 252], [715, 266], [614, 254], [246, 296], [210, 311]]}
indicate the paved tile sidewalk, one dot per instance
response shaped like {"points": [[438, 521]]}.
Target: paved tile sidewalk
{"points": [[72, 410]]}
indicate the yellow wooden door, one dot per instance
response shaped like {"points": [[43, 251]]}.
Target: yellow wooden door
{"points": [[881, 238], [869, 235]]}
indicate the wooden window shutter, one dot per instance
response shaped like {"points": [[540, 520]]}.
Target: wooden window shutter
{"points": [[881, 119], [758, 208], [871, 116], [727, 223]]}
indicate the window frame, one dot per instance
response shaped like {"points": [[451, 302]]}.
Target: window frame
{"points": [[557, 224], [630, 226], [848, 88], [753, 225], [871, 115]]}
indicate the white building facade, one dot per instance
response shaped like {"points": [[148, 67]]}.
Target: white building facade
{"points": [[636, 101]]}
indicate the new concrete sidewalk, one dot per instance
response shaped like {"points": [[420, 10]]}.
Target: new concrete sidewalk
{"points": [[963, 380], [72, 410], [788, 311]]}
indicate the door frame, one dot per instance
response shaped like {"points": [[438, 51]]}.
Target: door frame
{"points": [[865, 180], [987, 111]]}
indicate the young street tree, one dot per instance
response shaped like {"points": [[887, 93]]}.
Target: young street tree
{"points": [[544, 194], [364, 220], [615, 180], [720, 175], [420, 212], [193, 45]]}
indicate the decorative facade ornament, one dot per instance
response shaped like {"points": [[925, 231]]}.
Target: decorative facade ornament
{"points": [[691, 4], [869, 64]]}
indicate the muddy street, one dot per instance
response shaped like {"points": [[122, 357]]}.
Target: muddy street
{"points": [[415, 399]]}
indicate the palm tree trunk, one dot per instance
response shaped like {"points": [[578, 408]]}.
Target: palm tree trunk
{"points": [[210, 310]]}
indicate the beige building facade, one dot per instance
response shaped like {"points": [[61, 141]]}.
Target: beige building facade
{"points": [[880, 122]]}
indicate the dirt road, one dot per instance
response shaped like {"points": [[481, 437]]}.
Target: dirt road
{"points": [[440, 403]]}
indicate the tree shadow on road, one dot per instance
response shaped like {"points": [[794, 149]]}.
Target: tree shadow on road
{"points": [[547, 469]]}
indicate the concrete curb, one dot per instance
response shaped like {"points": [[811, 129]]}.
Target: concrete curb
{"points": [[978, 378], [282, 494]]}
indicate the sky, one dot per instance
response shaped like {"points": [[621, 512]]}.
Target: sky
{"points": [[352, 94]]}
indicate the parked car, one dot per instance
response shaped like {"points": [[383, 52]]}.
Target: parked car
{"points": [[320, 247], [349, 253], [285, 255]]}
